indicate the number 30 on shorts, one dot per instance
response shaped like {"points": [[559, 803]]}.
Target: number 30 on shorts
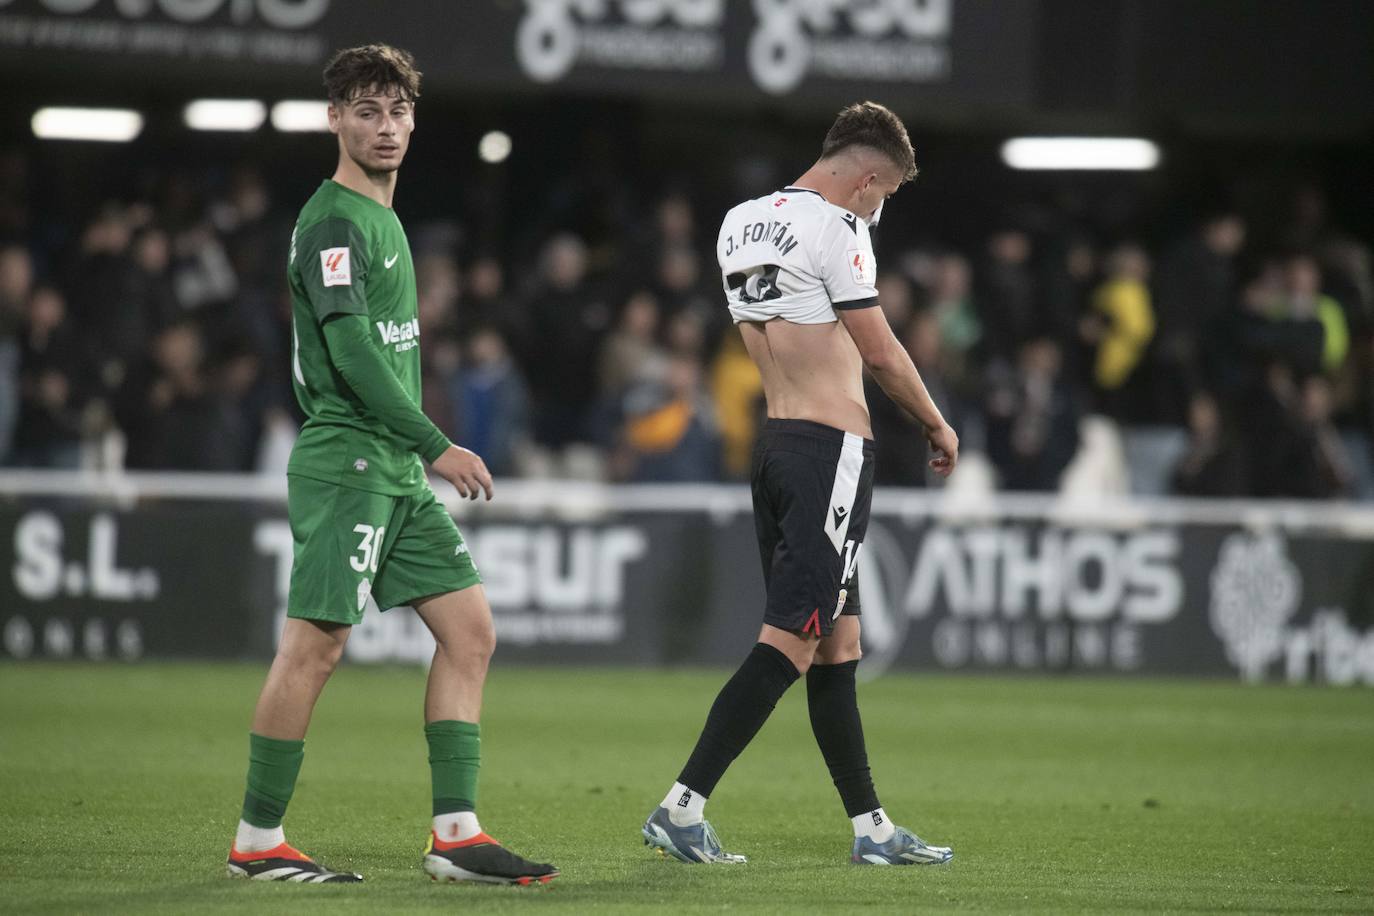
{"points": [[370, 547]]}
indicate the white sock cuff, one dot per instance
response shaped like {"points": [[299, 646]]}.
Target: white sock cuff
{"points": [[684, 806], [258, 839], [457, 826], [874, 825]]}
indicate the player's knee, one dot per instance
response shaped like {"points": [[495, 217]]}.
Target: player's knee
{"points": [[318, 662], [470, 649], [849, 651], [484, 644], [837, 653]]}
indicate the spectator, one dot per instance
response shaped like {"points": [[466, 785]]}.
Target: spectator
{"points": [[957, 324], [630, 353], [676, 221], [438, 285], [1069, 276], [1007, 296], [139, 307], [896, 298], [16, 285], [173, 418], [1303, 301], [250, 398], [1032, 419], [1194, 289], [1213, 463], [1289, 446], [97, 276], [669, 434], [1120, 325], [737, 393], [682, 293], [1332, 473], [569, 317], [52, 394], [492, 403], [486, 303], [685, 335], [203, 276]]}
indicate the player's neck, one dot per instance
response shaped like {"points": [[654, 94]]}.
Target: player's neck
{"points": [[374, 186], [823, 179]]}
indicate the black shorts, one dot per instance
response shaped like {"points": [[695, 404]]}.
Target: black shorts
{"points": [[812, 487]]}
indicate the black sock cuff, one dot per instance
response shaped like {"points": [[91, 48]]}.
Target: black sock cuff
{"points": [[776, 663], [825, 674]]}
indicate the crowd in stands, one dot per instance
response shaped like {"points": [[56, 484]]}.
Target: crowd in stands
{"points": [[155, 334]]}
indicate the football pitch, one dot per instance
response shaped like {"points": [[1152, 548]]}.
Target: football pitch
{"points": [[120, 789]]}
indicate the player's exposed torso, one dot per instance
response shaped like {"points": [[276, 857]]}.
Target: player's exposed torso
{"points": [[771, 251], [341, 441]]}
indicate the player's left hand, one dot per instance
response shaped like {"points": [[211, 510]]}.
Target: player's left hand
{"points": [[945, 446], [465, 470]]}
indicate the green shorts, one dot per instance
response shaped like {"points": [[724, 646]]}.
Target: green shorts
{"points": [[349, 544]]}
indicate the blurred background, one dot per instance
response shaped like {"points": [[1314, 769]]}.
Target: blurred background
{"points": [[1177, 300]]}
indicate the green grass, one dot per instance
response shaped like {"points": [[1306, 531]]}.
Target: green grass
{"points": [[119, 790]]}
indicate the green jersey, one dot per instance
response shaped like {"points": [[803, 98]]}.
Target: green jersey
{"points": [[349, 256]]}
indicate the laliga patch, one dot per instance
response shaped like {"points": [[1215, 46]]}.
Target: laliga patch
{"points": [[335, 267], [839, 605], [364, 592], [860, 266]]}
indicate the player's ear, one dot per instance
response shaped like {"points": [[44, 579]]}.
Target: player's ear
{"points": [[335, 113]]}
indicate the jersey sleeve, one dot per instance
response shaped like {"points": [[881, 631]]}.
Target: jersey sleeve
{"points": [[333, 261], [847, 266], [355, 355]]}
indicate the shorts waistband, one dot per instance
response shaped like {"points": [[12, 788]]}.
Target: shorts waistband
{"points": [[809, 431]]}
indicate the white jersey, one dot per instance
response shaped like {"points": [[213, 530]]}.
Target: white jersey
{"points": [[794, 255]]}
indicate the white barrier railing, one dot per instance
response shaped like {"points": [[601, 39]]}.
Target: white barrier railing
{"points": [[583, 499]]}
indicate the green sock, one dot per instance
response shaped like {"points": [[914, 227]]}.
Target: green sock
{"points": [[455, 754], [272, 768]]}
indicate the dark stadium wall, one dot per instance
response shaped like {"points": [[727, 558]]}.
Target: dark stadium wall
{"points": [[1304, 69]]}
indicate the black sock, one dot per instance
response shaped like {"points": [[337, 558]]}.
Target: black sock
{"points": [[740, 709], [834, 708]]}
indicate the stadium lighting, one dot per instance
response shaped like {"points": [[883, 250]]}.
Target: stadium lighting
{"points": [[114, 125], [1081, 153], [494, 146], [297, 116], [225, 114]]}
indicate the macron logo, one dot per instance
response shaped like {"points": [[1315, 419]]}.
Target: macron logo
{"points": [[404, 335]]}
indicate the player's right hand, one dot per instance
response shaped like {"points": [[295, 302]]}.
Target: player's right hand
{"points": [[945, 446], [465, 470]]}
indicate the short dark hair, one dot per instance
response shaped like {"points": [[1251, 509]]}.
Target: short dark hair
{"points": [[875, 126], [353, 71]]}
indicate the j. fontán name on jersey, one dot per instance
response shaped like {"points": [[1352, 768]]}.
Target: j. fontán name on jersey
{"points": [[773, 230], [405, 335]]}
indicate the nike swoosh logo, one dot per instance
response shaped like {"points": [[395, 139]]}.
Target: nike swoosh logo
{"points": [[391, 260]]}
